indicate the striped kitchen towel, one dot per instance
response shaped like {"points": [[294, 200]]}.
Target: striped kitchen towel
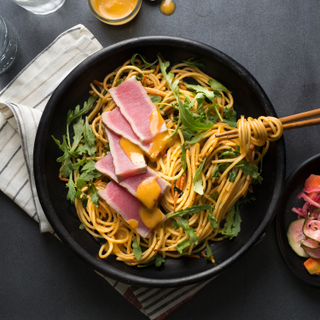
{"points": [[21, 104]]}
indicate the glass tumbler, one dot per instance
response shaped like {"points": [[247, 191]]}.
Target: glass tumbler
{"points": [[40, 6], [8, 45]]}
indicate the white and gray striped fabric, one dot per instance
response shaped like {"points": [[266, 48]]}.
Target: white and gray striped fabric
{"points": [[21, 104]]}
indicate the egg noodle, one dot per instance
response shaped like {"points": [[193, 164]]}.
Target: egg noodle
{"points": [[208, 175]]}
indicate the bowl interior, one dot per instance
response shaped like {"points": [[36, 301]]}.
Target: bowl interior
{"points": [[250, 100], [294, 185]]}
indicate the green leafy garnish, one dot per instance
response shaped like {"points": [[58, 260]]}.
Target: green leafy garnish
{"points": [[217, 86], [191, 210], [233, 174], [219, 168], [230, 153], [66, 168], [71, 195], [209, 253], [136, 248], [74, 159], [78, 112], [94, 194], [248, 169], [183, 244], [232, 225], [230, 117], [157, 261], [197, 181], [88, 145], [215, 195], [207, 93], [196, 138], [146, 63], [189, 231], [89, 172], [194, 63], [183, 159], [155, 98], [213, 221]]}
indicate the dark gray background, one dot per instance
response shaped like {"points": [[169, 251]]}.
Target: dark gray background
{"points": [[279, 43]]}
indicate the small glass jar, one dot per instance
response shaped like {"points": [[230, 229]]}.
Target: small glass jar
{"points": [[118, 13], [8, 45]]}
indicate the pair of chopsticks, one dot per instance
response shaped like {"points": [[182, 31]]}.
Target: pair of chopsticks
{"points": [[288, 123]]}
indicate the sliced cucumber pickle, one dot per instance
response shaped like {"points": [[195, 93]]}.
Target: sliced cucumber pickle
{"points": [[296, 236]]}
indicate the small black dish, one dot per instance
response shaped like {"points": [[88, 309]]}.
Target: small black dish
{"points": [[250, 100], [294, 185]]}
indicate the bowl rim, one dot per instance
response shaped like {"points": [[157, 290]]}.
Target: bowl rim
{"points": [[282, 238], [98, 265]]}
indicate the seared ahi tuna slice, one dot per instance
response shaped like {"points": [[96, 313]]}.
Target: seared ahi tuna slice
{"points": [[128, 159], [148, 187], [131, 209], [138, 109], [116, 122]]}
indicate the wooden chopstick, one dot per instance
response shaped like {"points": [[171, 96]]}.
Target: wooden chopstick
{"points": [[286, 121]]}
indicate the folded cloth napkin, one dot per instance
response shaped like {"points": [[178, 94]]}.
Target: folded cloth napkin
{"points": [[22, 102]]}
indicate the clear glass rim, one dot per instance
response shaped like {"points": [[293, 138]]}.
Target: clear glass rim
{"points": [[116, 21], [3, 23]]}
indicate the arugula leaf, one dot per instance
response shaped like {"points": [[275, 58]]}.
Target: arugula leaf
{"points": [[213, 118], [248, 169], [230, 117], [173, 86], [136, 248], [78, 133], [187, 133], [157, 261], [183, 244], [213, 221], [146, 63], [209, 253], [89, 141], [229, 154], [215, 195], [94, 194], [89, 172], [189, 231], [67, 166], [78, 112], [188, 120], [155, 98], [208, 93], [197, 181], [233, 174], [71, 195], [217, 86], [194, 63], [190, 210], [80, 183], [185, 115], [196, 138], [219, 168], [234, 221]]}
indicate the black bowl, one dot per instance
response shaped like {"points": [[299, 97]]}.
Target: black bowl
{"points": [[293, 186], [250, 100]]}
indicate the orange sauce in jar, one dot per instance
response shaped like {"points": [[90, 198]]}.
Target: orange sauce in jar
{"points": [[167, 7], [115, 10]]}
